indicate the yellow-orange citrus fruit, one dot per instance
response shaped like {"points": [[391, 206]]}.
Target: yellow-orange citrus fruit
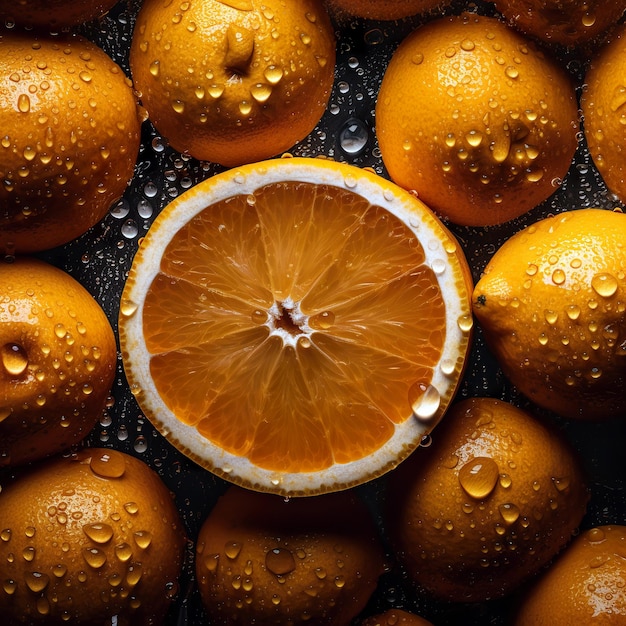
{"points": [[87, 539], [53, 14], [395, 617], [488, 504], [69, 138], [586, 584], [57, 361], [263, 560], [233, 82], [383, 9], [604, 113], [565, 22], [296, 325], [552, 304], [475, 119]]}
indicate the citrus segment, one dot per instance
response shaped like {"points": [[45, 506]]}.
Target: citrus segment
{"points": [[294, 324]]}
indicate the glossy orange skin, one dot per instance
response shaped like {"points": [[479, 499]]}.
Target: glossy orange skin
{"points": [[230, 82], [89, 538], [69, 140], [58, 359], [309, 560], [476, 119], [490, 502], [551, 302], [53, 14], [585, 585]]}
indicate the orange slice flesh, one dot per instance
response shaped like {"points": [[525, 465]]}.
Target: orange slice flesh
{"points": [[296, 325]]}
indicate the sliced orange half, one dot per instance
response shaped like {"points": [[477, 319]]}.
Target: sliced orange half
{"points": [[296, 325]]}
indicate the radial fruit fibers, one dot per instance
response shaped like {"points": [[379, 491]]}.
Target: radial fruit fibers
{"points": [[298, 562], [296, 325], [476, 119], [490, 502], [57, 361], [233, 82], [552, 304], [92, 538], [69, 138]]}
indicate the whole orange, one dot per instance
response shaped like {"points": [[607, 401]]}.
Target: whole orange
{"points": [[488, 504], [565, 22], [233, 82], [69, 138], [586, 584], [53, 14], [475, 119], [552, 305], [264, 560], [383, 9], [93, 538], [57, 361], [603, 103]]}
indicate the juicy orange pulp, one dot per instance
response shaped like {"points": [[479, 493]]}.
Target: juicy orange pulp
{"points": [[297, 323], [283, 395]]}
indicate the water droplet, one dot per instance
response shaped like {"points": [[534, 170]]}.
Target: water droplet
{"points": [[604, 284], [108, 464], [14, 358], [322, 321], [100, 533], [94, 557], [466, 323], [558, 277], [36, 581], [424, 400], [123, 552], [128, 308], [143, 538], [353, 136], [273, 74], [261, 92], [573, 311], [280, 561], [232, 549], [479, 477], [474, 138], [23, 103], [509, 512], [134, 574], [9, 586]]}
